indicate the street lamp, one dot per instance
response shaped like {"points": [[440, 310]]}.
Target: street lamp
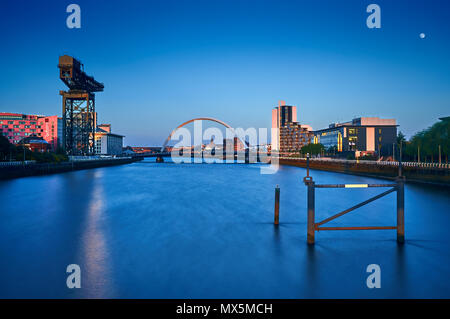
{"points": [[393, 152], [439, 154], [418, 154]]}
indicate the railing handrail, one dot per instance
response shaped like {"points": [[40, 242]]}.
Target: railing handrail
{"points": [[16, 163], [369, 162], [353, 185], [20, 163]]}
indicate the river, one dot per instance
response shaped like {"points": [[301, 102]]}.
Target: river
{"points": [[148, 230]]}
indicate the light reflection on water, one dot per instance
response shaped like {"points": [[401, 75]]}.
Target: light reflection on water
{"points": [[150, 230], [94, 250]]}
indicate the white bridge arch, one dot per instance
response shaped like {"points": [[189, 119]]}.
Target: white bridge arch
{"points": [[201, 119]]}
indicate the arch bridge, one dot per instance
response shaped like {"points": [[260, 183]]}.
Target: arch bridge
{"points": [[199, 119], [164, 152]]}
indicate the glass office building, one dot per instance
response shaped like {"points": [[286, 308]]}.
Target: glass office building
{"points": [[361, 136]]}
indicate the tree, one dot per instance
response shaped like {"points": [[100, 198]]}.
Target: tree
{"points": [[6, 148], [312, 149], [401, 138], [427, 142]]}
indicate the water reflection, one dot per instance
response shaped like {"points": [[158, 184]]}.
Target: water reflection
{"points": [[150, 230], [311, 284], [94, 252], [401, 270]]}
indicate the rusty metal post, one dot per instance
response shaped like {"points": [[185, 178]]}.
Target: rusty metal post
{"points": [[400, 210], [308, 180], [307, 165], [311, 212], [277, 205]]}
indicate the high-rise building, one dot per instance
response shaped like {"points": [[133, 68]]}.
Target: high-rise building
{"points": [[16, 126], [287, 134]]}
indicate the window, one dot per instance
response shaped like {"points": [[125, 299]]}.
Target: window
{"points": [[10, 122], [379, 131]]}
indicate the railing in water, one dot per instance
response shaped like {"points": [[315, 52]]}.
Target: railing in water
{"points": [[313, 226]]}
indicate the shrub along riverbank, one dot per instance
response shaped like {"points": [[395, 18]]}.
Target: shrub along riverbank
{"points": [[11, 152]]}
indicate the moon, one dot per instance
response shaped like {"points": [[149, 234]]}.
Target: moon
{"points": [[422, 35]]}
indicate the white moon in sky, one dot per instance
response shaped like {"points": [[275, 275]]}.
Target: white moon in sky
{"points": [[422, 35]]}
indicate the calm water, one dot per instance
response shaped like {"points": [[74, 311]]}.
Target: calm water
{"points": [[150, 230]]}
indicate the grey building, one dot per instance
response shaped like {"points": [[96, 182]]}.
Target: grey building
{"points": [[361, 136], [107, 143]]}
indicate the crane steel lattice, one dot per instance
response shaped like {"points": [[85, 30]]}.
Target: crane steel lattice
{"points": [[79, 117]]}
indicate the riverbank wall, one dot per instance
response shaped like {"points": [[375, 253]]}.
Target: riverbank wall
{"points": [[414, 173], [35, 169]]}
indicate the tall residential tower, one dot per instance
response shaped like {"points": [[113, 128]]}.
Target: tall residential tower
{"points": [[287, 134]]}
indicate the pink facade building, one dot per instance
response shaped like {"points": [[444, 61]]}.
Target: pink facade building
{"points": [[16, 126]]}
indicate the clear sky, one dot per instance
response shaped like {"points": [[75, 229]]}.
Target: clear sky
{"points": [[165, 62]]}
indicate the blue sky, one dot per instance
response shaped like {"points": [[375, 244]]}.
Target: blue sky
{"points": [[165, 62]]}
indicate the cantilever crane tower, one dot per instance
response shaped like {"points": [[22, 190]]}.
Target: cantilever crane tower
{"points": [[79, 117]]}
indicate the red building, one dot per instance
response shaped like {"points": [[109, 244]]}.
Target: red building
{"points": [[16, 126]]}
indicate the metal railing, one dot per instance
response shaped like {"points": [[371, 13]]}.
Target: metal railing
{"points": [[95, 158], [16, 163], [381, 163], [313, 226], [71, 159]]}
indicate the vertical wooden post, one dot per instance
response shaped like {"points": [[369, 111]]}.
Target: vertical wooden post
{"points": [[277, 205], [311, 212], [400, 210]]}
